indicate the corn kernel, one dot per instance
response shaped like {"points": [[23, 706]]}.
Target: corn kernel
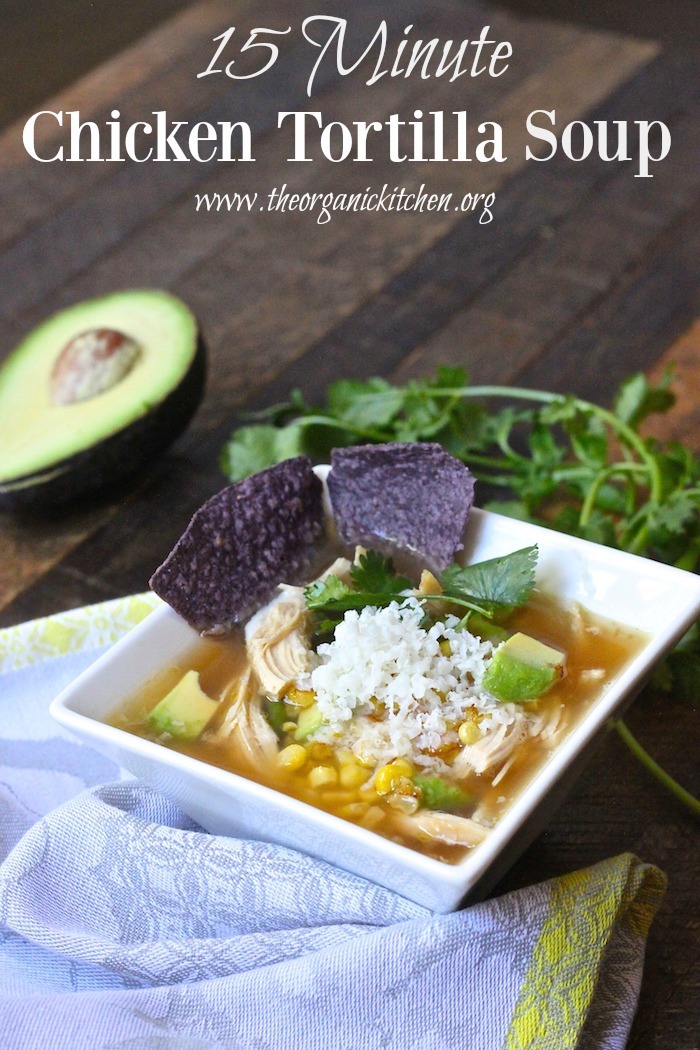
{"points": [[445, 647], [354, 811], [468, 733], [320, 753], [292, 757], [352, 776], [388, 774], [300, 697], [367, 793], [320, 776], [289, 727], [383, 780], [335, 798], [372, 818], [403, 803], [403, 786], [366, 763]]}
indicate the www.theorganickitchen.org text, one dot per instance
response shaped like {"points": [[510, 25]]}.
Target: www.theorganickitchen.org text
{"points": [[321, 205]]}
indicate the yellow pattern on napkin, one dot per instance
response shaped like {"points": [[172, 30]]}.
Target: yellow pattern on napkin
{"points": [[73, 631], [586, 908]]}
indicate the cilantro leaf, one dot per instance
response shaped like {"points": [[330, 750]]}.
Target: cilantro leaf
{"points": [[375, 573], [598, 529], [449, 376], [333, 597], [253, 448], [369, 403], [374, 583], [500, 583], [637, 399], [591, 448], [322, 593], [506, 581], [560, 410], [544, 448], [674, 516]]}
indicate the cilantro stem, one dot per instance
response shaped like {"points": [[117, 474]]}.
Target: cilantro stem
{"points": [[445, 596], [592, 494], [340, 424], [489, 461], [671, 785], [625, 432]]}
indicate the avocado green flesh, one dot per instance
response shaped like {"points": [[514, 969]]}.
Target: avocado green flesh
{"points": [[38, 438], [308, 722], [523, 669], [487, 629], [185, 711], [276, 715], [439, 794]]}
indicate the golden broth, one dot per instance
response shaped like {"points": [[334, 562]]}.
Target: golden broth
{"points": [[596, 651]]}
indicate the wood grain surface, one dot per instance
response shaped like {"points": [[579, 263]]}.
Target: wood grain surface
{"points": [[585, 275]]}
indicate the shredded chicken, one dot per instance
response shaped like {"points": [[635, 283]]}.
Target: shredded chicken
{"points": [[502, 771], [244, 728], [340, 568], [493, 749], [551, 723], [592, 674], [277, 637], [427, 825], [277, 640]]}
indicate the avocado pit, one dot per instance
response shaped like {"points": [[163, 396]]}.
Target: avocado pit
{"points": [[92, 363]]}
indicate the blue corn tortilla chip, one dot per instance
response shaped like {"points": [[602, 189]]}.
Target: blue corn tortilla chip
{"points": [[241, 544], [413, 496]]}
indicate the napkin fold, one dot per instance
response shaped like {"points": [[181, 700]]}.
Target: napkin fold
{"points": [[124, 925]]}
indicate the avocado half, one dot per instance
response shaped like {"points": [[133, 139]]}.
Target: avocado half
{"points": [[94, 394]]}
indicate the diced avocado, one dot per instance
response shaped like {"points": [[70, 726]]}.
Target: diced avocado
{"points": [[185, 711], [486, 629], [439, 794], [309, 721], [276, 711], [523, 668]]}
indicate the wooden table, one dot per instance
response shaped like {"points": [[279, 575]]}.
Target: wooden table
{"points": [[585, 274]]}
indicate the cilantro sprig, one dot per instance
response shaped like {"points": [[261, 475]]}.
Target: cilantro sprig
{"points": [[375, 572], [553, 459], [558, 460], [487, 588], [497, 584], [373, 580]]}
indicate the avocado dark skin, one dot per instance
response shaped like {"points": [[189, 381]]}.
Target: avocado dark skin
{"points": [[116, 459]]}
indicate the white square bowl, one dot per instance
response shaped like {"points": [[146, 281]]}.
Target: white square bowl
{"points": [[655, 599]]}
